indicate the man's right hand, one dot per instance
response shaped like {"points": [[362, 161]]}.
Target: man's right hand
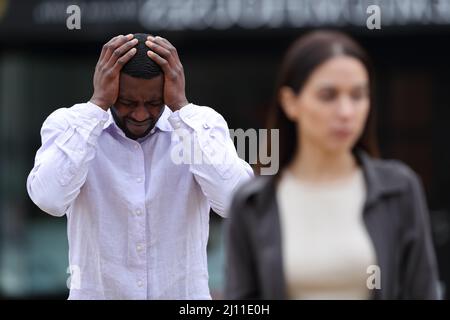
{"points": [[115, 54]]}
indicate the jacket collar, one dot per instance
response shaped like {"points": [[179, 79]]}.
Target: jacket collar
{"points": [[378, 179]]}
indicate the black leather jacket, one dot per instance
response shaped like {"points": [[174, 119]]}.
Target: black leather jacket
{"points": [[395, 215]]}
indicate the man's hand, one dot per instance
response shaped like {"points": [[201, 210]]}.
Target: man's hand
{"points": [[166, 56], [115, 54]]}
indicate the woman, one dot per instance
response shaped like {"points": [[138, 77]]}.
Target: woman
{"points": [[335, 222]]}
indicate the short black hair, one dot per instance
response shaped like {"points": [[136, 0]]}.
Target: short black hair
{"points": [[140, 65]]}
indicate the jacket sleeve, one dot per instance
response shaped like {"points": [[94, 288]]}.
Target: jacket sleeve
{"points": [[241, 279], [69, 139], [419, 265]]}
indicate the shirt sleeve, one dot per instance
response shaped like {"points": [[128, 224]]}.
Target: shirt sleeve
{"points": [[69, 140], [204, 143]]}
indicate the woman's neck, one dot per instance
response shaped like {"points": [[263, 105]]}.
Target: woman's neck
{"points": [[313, 164]]}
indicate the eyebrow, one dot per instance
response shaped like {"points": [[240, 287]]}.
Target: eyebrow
{"points": [[156, 100], [125, 98], [325, 86], [152, 100]]}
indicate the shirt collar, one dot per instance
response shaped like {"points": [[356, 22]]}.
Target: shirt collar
{"points": [[162, 123]]}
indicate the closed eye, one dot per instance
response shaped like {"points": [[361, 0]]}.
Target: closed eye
{"points": [[327, 94], [127, 103], [155, 103]]}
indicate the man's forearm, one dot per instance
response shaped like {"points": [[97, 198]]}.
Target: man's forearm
{"points": [[69, 138]]}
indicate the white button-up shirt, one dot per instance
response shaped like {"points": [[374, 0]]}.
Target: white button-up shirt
{"points": [[137, 214]]}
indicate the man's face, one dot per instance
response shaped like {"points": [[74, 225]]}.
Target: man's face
{"points": [[139, 104]]}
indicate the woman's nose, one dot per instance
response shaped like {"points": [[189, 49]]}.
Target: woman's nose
{"points": [[345, 107]]}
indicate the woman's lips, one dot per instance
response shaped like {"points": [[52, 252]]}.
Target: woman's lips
{"points": [[342, 133]]}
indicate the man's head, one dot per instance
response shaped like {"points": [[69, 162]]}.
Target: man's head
{"points": [[140, 102]]}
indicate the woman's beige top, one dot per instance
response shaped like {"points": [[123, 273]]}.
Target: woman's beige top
{"points": [[326, 248]]}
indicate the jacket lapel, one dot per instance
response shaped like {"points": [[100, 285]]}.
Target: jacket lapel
{"points": [[379, 184]]}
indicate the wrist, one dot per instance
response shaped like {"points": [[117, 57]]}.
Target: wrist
{"points": [[178, 105], [100, 103]]}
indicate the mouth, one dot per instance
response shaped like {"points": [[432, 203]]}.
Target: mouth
{"points": [[139, 124], [342, 133]]}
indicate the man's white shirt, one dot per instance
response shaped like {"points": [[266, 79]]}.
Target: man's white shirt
{"points": [[137, 216]]}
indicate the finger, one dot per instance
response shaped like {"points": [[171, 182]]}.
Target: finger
{"points": [[120, 51], [163, 63], [161, 40], [123, 60], [169, 54], [104, 48], [161, 51], [107, 47], [116, 43], [165, 44]]}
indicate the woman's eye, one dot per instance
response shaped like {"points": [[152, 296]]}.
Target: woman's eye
{"points": [[359, 94], [327, 95]]}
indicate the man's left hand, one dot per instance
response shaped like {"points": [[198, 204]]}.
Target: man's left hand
{"points": [[166, 56]]}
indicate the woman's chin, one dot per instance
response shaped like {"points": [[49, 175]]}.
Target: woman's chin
{"points": [[339, 148]]}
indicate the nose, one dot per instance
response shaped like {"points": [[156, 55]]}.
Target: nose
{"points": [[346, 108], [140, 113]]}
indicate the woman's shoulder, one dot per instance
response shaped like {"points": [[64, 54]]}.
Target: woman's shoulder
{"points": [[393, 167], [393, 172]]}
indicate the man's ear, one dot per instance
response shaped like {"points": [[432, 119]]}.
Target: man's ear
{"points": [[288, 101]]}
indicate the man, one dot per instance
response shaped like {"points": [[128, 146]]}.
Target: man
{"points": [[137, 215]]}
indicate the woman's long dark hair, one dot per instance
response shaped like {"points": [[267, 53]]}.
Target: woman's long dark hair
{"points": [[301, 59]]}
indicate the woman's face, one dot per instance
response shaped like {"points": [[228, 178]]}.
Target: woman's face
{"points": [[332, 108]]}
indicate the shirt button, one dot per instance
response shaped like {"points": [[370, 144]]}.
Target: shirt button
{"points": [[140, 283], [139, 180], [176, 124], [138, 212], [139, 248], [81, 151], [205, 125], [136, 146]]}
